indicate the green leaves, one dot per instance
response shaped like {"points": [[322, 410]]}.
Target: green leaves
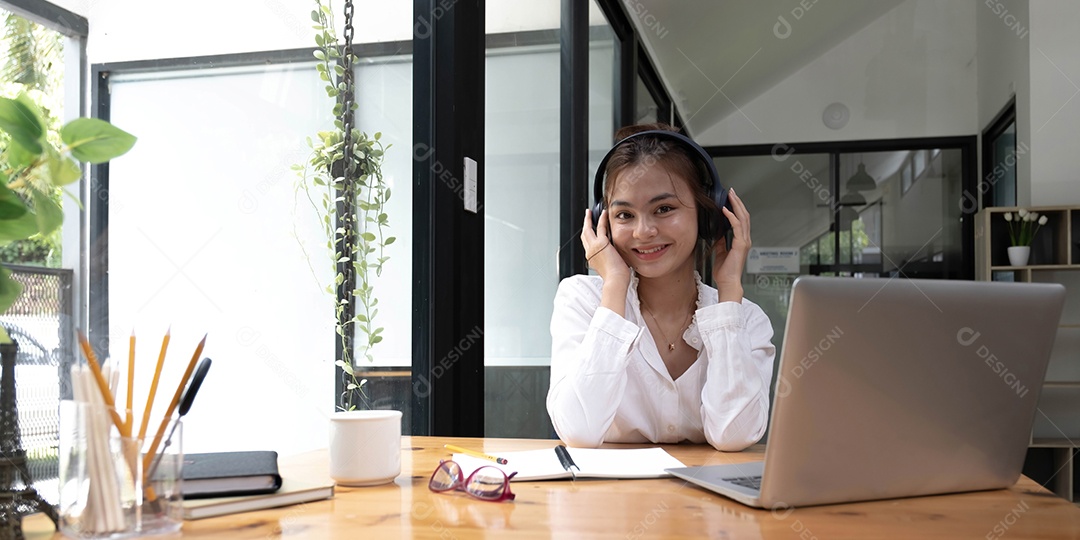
{"points": [[344, 367], [95, 141], [33, 169], [18, 228], [48, 213], [63, 170], [11, 206], [9, 290], [21, 119]]}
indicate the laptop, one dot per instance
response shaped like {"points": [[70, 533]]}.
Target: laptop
{"points": [[892, 388]]}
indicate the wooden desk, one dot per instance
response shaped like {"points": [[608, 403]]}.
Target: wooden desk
{"points": [[625, 509]]}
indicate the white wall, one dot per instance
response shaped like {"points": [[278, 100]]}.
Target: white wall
{"points": [[910, 73], [1055, 102], [1003, 44], [1029, 48]]}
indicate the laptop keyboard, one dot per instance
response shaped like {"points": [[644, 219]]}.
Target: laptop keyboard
{"points": [[752, 482]]}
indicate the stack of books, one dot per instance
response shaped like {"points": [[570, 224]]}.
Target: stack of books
{"points": [[220, 483]]}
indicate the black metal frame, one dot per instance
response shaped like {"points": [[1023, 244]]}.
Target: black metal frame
{"points": [[96, 219], [968, 183], [448, 247], [1005, 117], [666, 112], [626, 60], [574, 136], [47, 14], [633, 61]]}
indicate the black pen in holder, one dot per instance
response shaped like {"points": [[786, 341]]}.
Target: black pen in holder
{"points": [[185, 405]]}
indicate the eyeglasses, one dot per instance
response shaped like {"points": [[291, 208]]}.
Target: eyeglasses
{"points": [[486, 483]]}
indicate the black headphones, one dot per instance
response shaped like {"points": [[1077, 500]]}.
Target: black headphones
{"points": [[711, 225]]}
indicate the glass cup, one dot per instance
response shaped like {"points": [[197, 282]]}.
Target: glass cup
{"points": [[104, 491]]}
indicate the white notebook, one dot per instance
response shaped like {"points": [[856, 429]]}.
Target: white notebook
{"points": [[292, 491], [594, 463]]}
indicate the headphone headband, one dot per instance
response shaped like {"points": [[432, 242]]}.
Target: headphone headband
{"points": [[687, 142]]}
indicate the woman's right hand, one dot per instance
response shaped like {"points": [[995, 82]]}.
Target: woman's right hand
{"points": [[600, 254]]}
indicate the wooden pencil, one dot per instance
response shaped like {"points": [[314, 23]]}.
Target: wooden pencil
{"points": [[154, 385], [130, 379], [149, 457]]}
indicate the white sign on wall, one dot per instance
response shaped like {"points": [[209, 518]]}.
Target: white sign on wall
{"points": [[773, 260]]}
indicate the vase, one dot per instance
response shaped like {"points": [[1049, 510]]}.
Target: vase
{"points": [[365, 447], [1018, 255]]}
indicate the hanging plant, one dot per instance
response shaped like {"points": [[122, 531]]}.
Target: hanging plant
{"points": [[343, 181]]}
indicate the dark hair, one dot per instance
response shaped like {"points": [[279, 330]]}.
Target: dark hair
{"points": [[647, 150]]}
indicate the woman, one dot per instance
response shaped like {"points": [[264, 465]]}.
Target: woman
{"points": [[702, 369]]}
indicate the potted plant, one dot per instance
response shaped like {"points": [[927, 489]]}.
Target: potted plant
{"points": [[33, 170], [344, 184], [1022, 231]]}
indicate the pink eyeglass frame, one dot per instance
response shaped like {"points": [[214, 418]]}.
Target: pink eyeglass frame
{"points": [[460, 481]]}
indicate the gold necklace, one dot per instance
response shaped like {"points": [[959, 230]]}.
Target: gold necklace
{"points": [[670, 344]]}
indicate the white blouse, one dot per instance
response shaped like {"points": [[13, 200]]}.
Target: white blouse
{"points": [[609, 383]]}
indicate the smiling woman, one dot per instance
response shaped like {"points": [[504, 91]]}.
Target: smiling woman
{"points": [[646, 352]]}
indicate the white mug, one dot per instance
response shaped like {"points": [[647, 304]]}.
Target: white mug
{"points": [[365, 447]]}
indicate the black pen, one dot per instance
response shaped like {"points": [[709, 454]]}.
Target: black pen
{"points": [[567, 461], [185, 405]]}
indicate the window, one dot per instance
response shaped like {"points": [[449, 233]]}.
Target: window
{"points": [[1001, 150], [207, 234], [44, 60]]}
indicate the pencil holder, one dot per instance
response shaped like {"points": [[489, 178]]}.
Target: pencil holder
{"points": [[108, 487]]}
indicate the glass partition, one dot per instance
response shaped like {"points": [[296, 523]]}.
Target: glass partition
{"points": [[850, 214], [207, 234], [899, 214], [522, 201], [646, 109], [790, 200], [521, 217]]}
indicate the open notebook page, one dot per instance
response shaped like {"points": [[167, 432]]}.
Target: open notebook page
{"points": [[594, 463]]}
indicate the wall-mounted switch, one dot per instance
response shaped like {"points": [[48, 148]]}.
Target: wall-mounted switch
{"points": [[470, 185]]}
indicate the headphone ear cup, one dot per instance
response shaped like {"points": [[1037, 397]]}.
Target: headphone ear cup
{"points": [[706, 224], [597, 209], [720, 197]]}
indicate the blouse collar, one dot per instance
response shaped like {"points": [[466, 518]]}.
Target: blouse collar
{"points": [[707, 296]]}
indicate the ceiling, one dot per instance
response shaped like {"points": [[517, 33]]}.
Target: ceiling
{"points": [[715, 56]]}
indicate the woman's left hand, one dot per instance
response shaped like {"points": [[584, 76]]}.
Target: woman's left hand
{"points": [[729, 264]]}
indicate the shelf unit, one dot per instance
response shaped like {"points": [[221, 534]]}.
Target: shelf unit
{"points": [[1055, 257]]}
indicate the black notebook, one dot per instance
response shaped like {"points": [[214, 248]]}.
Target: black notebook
{"points": [[228, 474]]}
